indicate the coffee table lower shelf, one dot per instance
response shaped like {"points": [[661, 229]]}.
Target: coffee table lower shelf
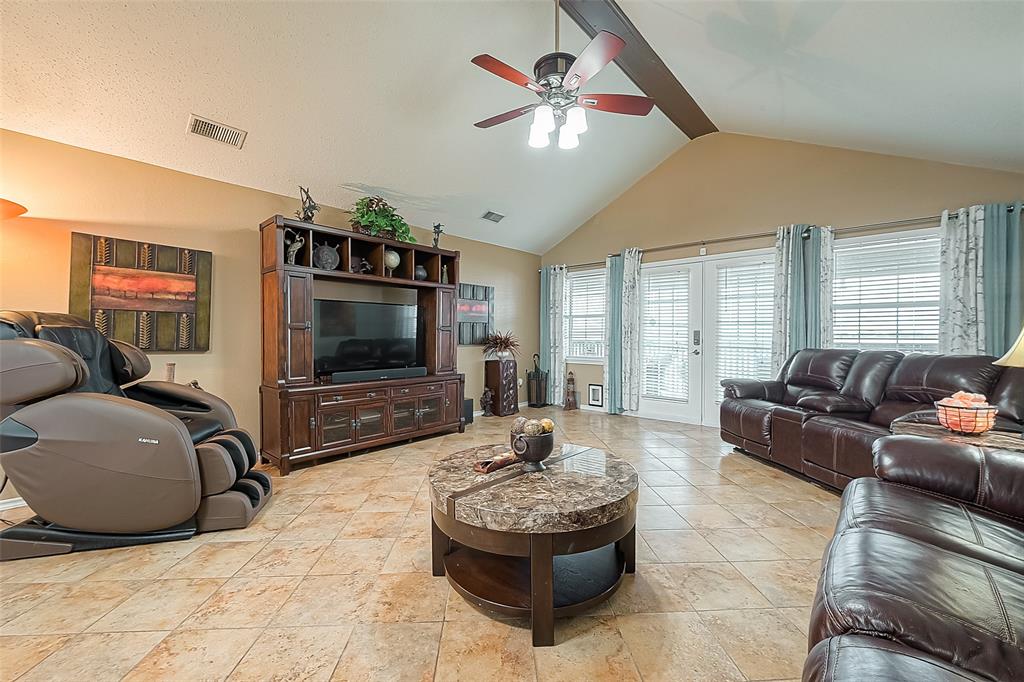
{"points": [[503, 583]]}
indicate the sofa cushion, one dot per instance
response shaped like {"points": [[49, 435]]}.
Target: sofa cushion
{"points": [[748, 418], [869, 374], [819, 368], [841, 445], [859, 657], [1008, 394], [922, 378], [940, 521], [891, 410], [962, 610]]}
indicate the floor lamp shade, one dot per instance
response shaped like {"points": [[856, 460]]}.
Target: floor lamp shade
{"points": [[9, 209], [1015, 356]]}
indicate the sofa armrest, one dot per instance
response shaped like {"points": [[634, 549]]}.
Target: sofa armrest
{"points": [[986, 477], [834, 404], [772, 391], [183, 401]]}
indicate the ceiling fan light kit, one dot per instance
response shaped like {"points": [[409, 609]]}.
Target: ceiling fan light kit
{"points": [[558, 78]]}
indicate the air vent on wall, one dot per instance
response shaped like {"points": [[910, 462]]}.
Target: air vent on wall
{"points": [[218, 132], [492, 216]]}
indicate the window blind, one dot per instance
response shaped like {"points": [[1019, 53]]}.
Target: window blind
{"points": [[746, 305], [585, 318], [886, 293], [664, 334]]}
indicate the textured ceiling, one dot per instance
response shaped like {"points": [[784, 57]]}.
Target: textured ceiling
{"points": [[356, 97], [346, 98], [936, 79]]}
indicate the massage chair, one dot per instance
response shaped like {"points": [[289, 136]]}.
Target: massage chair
{"points": [[106, 460]]}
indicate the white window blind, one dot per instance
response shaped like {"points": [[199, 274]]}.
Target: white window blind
{"points": [[746, 305], [664, 334], [585, 305], [886, 292]]}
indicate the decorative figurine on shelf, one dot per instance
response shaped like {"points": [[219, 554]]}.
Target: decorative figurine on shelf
{"points": [[365, 267], [438, 231], [486, 400], [570, 393], [294, 245], [392, 260], [326, 257], [309, 207], [444, 274]]}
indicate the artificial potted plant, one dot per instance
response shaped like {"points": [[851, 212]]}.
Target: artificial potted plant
{"points": [[376, 217], [501, 345]]}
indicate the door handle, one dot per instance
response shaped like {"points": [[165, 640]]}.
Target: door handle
{"points": [[312, 423], [696, 351]]}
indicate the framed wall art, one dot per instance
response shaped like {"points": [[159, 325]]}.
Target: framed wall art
{"points": [[154, 296], [475, 314], [595, 395]]}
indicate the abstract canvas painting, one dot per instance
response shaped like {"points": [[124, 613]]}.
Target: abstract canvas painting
{"points": [[154, 296], [475, 314]]}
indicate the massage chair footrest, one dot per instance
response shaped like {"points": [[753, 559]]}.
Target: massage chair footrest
{"points": [[37, 537], [234, 508]]}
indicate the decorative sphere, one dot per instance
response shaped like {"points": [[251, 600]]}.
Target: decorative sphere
{"points": [[549, 426], [533, 428], [517, 425], [391, 259]]}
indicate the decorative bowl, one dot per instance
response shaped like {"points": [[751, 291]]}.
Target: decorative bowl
{"points": [[966, 420], [533, 449]]}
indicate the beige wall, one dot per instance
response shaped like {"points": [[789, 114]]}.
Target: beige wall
{"points": [[727, 185], [69, 189]]}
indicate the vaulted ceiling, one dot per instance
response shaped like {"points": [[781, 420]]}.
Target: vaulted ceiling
{"points": [[379, 97]]}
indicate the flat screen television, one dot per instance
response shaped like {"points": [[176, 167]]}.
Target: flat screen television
{"points": [[352, 336]]}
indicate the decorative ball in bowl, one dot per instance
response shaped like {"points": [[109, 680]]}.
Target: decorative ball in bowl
{"points": [[533, 449]]}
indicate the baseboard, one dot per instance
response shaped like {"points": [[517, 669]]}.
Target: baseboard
{"points": [[480, 413], [592, 408], [12, 503]]}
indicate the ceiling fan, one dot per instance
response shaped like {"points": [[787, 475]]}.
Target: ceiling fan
{"points": [[558, 79]]}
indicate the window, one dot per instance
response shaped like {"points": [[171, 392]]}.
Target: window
{"points": [[664, 334], [885, 292], [585, 316], [745, 308]]}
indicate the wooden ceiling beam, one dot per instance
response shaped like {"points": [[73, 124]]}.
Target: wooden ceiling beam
{"points": [[641, 64]]}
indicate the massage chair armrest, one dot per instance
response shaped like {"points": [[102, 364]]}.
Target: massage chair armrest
{"points": [[772, 391], [101, 463], [183, 401], [835, 404], [987, 477], [31, 369]]}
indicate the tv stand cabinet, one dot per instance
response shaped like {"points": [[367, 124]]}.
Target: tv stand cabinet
{"points": [[303, 420]]}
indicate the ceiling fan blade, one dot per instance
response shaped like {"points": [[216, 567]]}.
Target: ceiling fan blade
{"points": [[634, 105], [595, 56], [507, 116], [503, 70]]}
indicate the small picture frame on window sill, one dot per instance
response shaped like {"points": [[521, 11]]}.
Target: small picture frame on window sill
{"points": [[595, 395]]}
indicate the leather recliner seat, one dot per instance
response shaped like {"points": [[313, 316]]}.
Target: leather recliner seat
{"points": [[104, 459], [924, 578], [828, 407]]}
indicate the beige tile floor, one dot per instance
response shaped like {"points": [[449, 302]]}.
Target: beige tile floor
{"points": [[332, 581]]}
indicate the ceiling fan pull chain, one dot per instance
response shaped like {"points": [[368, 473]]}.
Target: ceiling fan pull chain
{"points": [[557, 3]]}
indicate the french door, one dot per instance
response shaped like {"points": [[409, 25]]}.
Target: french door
{"points": [[702, 321]]}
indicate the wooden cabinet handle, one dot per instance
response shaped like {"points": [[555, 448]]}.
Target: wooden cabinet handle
{"points": [[371, 394]]}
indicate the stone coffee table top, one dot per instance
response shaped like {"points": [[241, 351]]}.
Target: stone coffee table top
{"points": [[582, 487]]}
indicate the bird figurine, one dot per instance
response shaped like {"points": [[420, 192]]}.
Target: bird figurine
{"points": [[438, 231], [293, 249], [309, 207]]}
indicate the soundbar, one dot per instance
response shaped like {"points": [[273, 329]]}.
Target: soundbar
{"points": [[377, 374]]}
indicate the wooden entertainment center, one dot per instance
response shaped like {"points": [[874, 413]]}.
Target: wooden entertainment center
{"points": [[305, 417]]}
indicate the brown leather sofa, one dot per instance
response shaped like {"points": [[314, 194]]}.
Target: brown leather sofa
{"points": [[104, 459], [924, 579], [822, 414]]}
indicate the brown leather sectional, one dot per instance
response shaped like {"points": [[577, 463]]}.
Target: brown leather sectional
{"points": [[826, 409], [924, 579]]}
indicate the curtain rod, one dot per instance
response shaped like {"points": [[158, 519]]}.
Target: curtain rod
{"points": [[761, 235]]}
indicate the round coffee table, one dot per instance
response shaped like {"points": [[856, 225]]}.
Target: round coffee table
{"points": [[544, 545]]}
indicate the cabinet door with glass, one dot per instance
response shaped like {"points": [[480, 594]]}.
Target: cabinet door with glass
{"points": [[337, 428], [403, 415], [431, 411], [371, 421]]}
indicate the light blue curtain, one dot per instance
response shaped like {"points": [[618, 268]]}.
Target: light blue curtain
{"points": [[1003, 276], [803, 290], [545, 330], [613, 329]]}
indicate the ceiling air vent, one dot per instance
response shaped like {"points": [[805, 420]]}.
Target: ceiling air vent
{"points": [[492, 216], [204, 127]]}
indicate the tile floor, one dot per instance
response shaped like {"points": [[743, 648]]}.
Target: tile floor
{"points": [[332, 581]]}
